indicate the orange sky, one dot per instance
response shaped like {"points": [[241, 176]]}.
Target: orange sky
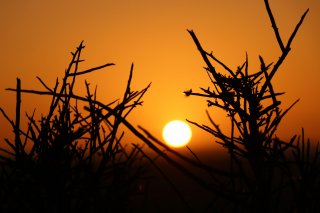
{"points": [[37, 37]]}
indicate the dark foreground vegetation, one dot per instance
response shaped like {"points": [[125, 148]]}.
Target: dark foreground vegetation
{"points": [[73, 159]]}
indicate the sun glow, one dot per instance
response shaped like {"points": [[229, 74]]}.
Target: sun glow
{"points": [[177, 133]]}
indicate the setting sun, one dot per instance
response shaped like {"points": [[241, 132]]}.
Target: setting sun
{"points": [[177, 133]]}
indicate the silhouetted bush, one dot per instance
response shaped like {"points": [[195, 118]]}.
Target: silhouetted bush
{"points": [[73, 159], [266, 174]]}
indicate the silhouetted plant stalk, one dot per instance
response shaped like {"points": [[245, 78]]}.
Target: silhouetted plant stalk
{"points": [[72, 159], [254, 111], [263, 168]]}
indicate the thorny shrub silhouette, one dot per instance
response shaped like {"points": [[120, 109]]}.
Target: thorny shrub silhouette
{"points": [[266, 174], [73, 158]]}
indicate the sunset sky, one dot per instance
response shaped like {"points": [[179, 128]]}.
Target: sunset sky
{"points": [[38, 36]]}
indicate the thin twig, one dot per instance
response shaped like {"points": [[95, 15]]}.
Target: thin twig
{"points": [[91, 70]]}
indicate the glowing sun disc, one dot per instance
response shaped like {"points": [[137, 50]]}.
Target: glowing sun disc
{"points": [[177, 133]]}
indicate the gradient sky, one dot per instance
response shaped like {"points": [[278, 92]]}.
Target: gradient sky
{"points": [[38, 36]]}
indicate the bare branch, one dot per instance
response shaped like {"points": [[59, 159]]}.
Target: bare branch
{"points": [[91, 70], [296, 29], [274, 26]]}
